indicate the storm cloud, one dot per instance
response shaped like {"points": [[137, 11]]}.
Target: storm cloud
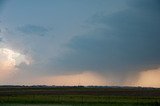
{"points": [[124, 41], [116, 40]]}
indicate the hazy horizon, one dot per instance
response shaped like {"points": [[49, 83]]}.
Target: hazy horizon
{"points": [[80, 42]]}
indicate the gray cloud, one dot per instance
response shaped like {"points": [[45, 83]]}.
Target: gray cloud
{"points": [[120, 41], [1, 39], [127, 40], [33, 29]]}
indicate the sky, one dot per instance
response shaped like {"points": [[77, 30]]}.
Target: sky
{"points": [[80, 42]]}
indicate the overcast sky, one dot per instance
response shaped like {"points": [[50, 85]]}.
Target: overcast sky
{"points": [[102, 42]]}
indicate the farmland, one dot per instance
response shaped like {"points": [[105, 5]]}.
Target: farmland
{"points": [[79, 95]]}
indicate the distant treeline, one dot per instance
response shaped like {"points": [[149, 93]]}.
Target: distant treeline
{"points": [[79, 86]]}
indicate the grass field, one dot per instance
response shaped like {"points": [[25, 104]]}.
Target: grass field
{"points": [[80, 95]]}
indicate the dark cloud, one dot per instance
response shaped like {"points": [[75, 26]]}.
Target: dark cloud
{"points": [[33, 29], [146, 5], [127, 40], [1, 39]]}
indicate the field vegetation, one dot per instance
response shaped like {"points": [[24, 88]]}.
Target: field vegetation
{"points": [[116, 96]]}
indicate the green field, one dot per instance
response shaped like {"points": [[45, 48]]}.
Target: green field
{"points": [[80, 96], [80, 99]]}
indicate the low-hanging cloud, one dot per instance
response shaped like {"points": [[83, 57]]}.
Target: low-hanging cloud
{"points": [[123, 41], [119, 42]]}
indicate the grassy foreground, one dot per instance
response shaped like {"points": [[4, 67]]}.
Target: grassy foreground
{"points": [[76, 99], [110, 96]]}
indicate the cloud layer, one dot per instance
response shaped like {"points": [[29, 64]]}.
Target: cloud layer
{"points": [[127, 40], [119, 40]]}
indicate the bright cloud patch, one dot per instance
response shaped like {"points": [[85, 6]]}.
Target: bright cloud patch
{"points": [[150, 78], [8, 60], [147, 78], [86, 78]]}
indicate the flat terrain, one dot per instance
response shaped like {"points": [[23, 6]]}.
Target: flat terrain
{"points": [[80, 95]]}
